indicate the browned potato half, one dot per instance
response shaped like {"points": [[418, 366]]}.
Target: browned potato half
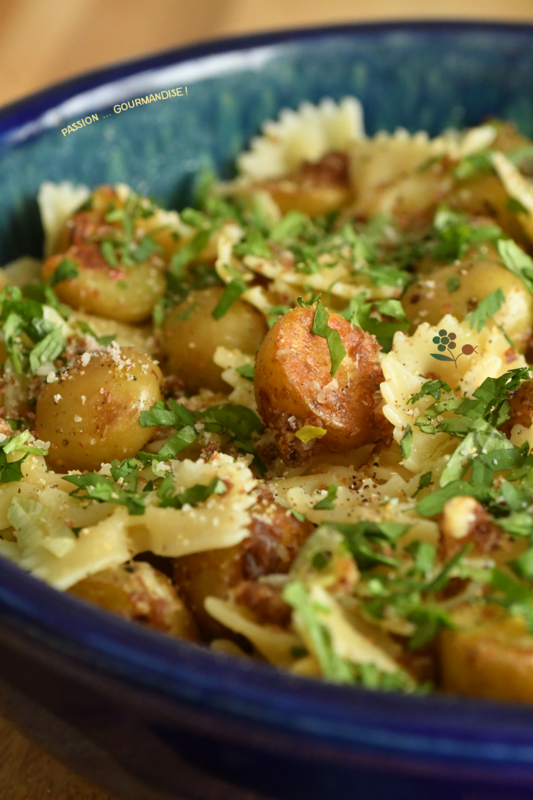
{"points": [[458, 288], [90, 415], [314, 188], [141, 593], [488, 656], [190, 335], [294, 387]]}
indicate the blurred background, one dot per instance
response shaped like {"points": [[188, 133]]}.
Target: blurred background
{"points": [[44, 41]]}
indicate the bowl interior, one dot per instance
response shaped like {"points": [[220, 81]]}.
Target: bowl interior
{"points": [[419, 76]]}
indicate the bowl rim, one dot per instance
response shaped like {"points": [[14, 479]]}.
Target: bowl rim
{"points": [[30, 107], [437, 726]]}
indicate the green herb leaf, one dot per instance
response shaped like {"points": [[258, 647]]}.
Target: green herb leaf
{"points": [[107, 249], [98, 487], [473, 165], [434, 503], [424, 482], [514, 206], [232, 292], [11, 471], [254, 244], [188, 252], [182, 439], [516, 261], [320, 327], [275, 312], [332, 666], [65, 271], [247, 372], [406, 442], [453, 283], [196, 494], [289, 226], [47, 350], [486, 308], [432, 388], [160, 414], [103, 341], [327, 502], [371, 542], [429, 621]]}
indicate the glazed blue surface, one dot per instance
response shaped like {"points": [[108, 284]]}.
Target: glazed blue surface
{"points": [[130, 708]]}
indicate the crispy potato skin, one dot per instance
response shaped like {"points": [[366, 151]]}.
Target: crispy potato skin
{"points": [[488, 656], [140, 593], [275, 538], [294, 387], [190, 336], [96, 416]]}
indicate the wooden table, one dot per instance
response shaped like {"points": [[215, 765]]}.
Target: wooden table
{"points": [[42, 41]]}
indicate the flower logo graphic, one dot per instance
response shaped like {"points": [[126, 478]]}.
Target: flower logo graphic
{"points": [[447, 342]]}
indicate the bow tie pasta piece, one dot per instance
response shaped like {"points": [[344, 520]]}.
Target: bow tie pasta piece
{"points": [[478, 355]]}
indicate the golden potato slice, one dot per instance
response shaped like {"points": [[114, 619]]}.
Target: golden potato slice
{"points": [[294, 387], [490, 655], [190, 335], [90, 415], [141, 593]]}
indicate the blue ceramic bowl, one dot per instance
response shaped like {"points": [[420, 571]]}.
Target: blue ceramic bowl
{"points": [[141, 714]]}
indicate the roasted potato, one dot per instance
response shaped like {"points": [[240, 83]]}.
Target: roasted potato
{"points": [[141, 593], [90, 414], [314, 188], [190, 336], [275, 538], [120, 268], [294, 387], [458, 288], [489, 655], [126, 294]]}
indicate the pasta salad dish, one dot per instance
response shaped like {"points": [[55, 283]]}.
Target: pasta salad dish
{"points": [[293, 422]]}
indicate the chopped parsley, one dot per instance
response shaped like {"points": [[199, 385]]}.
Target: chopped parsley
{"points": [[247, 372], [327, 502], [486, 308], [516, 261], [65, 271], [381, 318], [232, 292], [320, 327], [32, 331]]}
